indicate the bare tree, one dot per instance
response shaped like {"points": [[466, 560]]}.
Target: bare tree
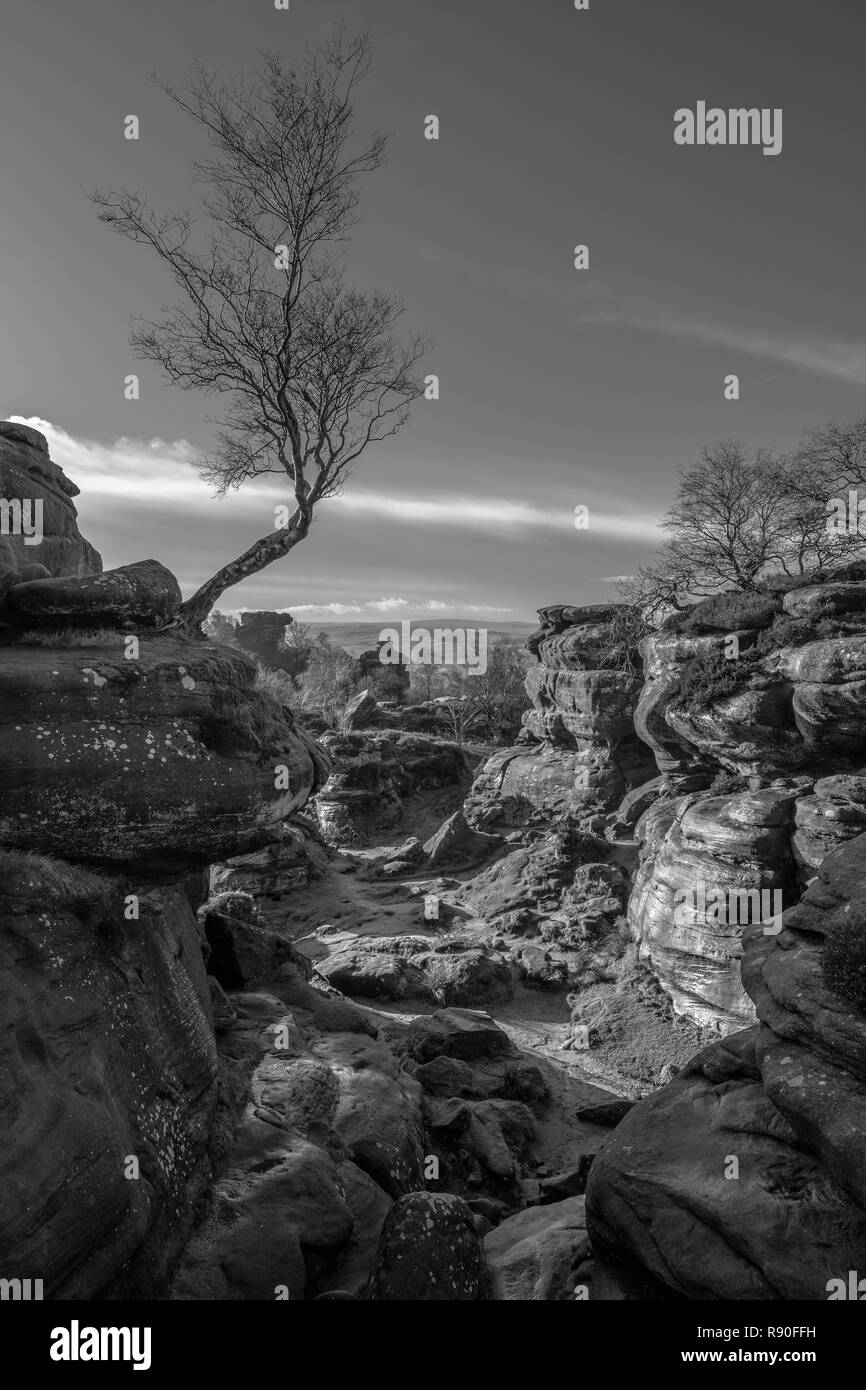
{"points": [[310, 369], [739, 518]]}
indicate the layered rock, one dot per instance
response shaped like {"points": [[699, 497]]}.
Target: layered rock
{"points": [[777, 719], [29, 476], [695, 848], [144, 594], [744, 1177], [580, 753], [157, 764]]}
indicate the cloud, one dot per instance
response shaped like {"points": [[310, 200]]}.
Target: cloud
{"points": [[484, 514], [833, 357], [161, 474], [316, 610]]}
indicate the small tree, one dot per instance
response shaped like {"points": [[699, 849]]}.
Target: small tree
{"points": [[309, 368]]}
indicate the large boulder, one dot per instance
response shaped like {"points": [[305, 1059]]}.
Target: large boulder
{"points": [[144, 594], [536, 1254], [165, 762], [428, 1251]]}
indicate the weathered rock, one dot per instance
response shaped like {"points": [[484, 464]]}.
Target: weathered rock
{"points": [[538, 970], [373, 974], [702, 846], [369, 1206], [743, 1178], [457, 845], [429, 1250], [467, 1034], [372, 775], [28, 476], [359, 711], [465, 978], [106, 1054], [378, 1113], [144, 594], [291, 861], [585, 754], [535, 1255], [159, 764]]}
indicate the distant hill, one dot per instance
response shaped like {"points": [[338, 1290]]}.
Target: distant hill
{"points": [[362, 637]]}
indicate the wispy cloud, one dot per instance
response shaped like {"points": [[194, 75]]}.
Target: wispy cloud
{"points": [[833, 357], [161, 473]]}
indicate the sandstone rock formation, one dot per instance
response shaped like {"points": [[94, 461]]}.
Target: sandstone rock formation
{"points": [[744, 1178], [144, 594], [29, 475], [580, 753], [168, 761], [790, 714]]}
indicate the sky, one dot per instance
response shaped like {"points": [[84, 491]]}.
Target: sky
{"points": [[559, 388]]}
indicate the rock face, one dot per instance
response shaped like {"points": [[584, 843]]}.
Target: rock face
{"points": [[29, 476], [581, 753], [693, 848], [790, 714], [109, 1079], [158, 764], [744, 1178]]}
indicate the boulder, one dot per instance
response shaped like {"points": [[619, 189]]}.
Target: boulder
{"points": [[428, 1251], [467, 1034], [144, 594], [157, 765], [457, 845], [536, 1254]]}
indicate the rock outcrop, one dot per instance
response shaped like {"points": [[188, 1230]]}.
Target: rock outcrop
{"points": [[42, 491], [773, 721], [744, 1178], [580, 753], [156, 764]]}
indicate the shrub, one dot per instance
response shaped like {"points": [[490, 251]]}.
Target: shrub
{"points": [[844, 959], [728, 612], [727, 783], [54, 883], [711, 677], [786, 631], [72, 637]]}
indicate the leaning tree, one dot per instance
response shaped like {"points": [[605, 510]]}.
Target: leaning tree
{"points": [[309, 370]]}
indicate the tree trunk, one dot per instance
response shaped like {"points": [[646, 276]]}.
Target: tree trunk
{"points": [[261, 554]]}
